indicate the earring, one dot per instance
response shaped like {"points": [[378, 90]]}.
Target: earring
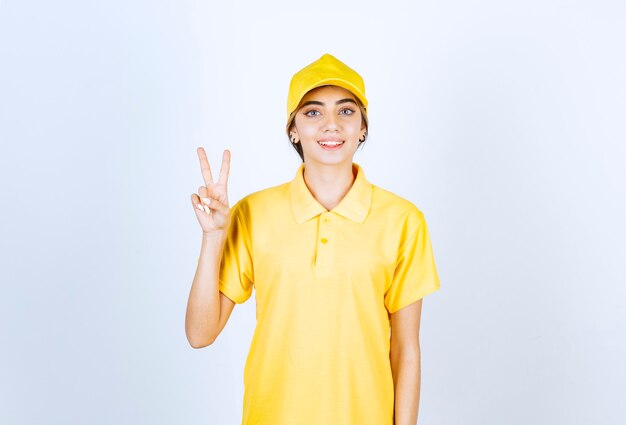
{"points": [[364, 137]]}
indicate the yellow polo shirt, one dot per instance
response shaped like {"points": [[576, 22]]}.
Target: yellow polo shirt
{"points": [[325, 284]]}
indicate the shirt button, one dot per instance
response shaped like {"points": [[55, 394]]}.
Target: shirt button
{"points": [[323, 240], [326, 220]]}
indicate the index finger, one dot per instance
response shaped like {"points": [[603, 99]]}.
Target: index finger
{"points": [[205, 167]]}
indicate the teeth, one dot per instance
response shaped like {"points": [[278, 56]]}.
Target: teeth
{"points": [[330, 143]]}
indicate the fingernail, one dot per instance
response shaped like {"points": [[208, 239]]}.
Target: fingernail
{"points": [[206, 201]]}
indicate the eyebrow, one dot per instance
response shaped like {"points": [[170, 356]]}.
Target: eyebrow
{"points": [[316, 102]]}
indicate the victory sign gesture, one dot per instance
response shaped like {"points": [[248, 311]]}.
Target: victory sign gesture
{"points": [[211, 202]]}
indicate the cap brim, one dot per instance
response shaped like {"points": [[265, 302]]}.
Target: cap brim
{"points": [[330, 81]]}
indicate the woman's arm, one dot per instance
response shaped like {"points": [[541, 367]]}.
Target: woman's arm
{"points": [[208, 309], [405, 362]]}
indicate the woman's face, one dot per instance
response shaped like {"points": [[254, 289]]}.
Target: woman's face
{"points": [[328, 114]]}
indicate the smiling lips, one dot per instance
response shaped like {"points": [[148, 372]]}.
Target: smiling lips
{"points": [[330, 142]]}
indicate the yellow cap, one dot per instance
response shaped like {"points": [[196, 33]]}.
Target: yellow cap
{"points": [[324, 71]]}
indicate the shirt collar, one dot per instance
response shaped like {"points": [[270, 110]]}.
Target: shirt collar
{"points": [[355, 204]]}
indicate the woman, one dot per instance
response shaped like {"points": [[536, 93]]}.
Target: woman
{"points": [[337, 264]]}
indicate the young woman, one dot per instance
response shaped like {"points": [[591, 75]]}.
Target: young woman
{"points": [[339, 267]]}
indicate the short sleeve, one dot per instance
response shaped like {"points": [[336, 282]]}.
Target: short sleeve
{"points": [[236, 273], [415, 275]]}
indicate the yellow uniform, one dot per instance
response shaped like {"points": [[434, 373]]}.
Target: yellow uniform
{"points": [[325, 283]]}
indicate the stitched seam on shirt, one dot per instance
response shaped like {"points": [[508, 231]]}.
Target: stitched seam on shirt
{"points": [[247, 235]]}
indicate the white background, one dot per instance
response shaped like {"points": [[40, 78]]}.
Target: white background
{"points": [[502, 121]]}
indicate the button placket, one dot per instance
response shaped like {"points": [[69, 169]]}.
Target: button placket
{"points": [[325, 246]]}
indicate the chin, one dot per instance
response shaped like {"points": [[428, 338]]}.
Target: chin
{"points": [[329, 161]]}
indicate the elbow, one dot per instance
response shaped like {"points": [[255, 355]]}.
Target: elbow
{"points": [[199, 345], [199, 341]]}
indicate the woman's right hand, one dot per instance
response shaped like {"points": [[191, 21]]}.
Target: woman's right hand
{"points": [[211, 202]]}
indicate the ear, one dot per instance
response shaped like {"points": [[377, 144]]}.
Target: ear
{"points": [[293, 135]]}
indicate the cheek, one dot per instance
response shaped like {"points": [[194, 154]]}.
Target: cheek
{"points": [[308, 131], [354, 127]]}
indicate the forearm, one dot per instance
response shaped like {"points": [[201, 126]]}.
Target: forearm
{"points": [[203, 306], [405, 366]]}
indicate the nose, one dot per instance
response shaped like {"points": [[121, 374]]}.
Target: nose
{"points": [[330, 123]]}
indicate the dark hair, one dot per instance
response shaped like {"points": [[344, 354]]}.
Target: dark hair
{"points": [[298, 146]]}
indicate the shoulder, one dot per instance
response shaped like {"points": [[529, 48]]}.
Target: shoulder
{"points": [[396, 208], [261, 200]]}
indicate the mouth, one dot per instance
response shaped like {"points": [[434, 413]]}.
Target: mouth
{"points": [[330, 144]]}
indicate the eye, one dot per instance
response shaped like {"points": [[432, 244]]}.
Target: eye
{"points": [[347, 111], [309, 113]]}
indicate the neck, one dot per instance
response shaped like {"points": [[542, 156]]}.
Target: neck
{"points": [[329, 183]]}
